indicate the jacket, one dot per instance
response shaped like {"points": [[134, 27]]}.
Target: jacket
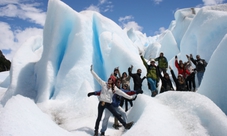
{"points": [[182, 71], [200, 64], [166, 83], [179, 86], [151, 70], [162, 62], [136, 79], [116, 100]]}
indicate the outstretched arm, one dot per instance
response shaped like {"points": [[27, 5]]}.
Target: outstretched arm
{"points": [[94, 93], [144, 78], [123, 94], [118, 72], [98, 79], [173, 75], [176, 62], [189, 61], [156, 59], [129, 92], [144, 62], [192, 59], [129, 77], [130, 71]]}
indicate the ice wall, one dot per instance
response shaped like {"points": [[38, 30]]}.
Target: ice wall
{"points": [[215, 72], [72, 42], [205, 32], [183, 18], [22, 72]]}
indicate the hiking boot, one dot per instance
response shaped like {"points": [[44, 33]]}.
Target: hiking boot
{"points": [[129, 125], [154, 93], [118, 125], [96, 133], [115, 126], [102, 133]]}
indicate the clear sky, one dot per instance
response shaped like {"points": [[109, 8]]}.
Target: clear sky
{"points": [[20, 19]]}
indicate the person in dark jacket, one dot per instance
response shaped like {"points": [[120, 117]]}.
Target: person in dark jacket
{"points": [[137, 80], [200, 67], [180, 82], [166, 82]]}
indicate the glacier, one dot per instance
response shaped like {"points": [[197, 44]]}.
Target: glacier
{"points": [[53, 71]]}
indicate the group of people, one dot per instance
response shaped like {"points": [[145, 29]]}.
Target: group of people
{"points": [[186, 73], [111, 98], [184, 81], [116, 91]]}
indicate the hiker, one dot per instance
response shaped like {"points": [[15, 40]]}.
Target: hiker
{"points": [[116, 73], [116, 104], [166, 82], [125, 79], [181, 68], [125, 88], [190, 80], [162, 63], [200, 67], [137, 80], [106, 94], [179, 81], [152, 75]]}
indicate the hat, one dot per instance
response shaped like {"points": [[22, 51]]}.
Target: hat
{"points": [[152, 60], [113, 78], [180, 75]]}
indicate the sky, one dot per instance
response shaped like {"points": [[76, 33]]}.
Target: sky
{"points": [[45, 92], [20, 19]]}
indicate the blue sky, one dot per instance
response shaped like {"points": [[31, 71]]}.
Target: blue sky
{"points": [[20, 19], [149, 16]]}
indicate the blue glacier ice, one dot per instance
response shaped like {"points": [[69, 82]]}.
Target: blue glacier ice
{"points": [[52, 71]]}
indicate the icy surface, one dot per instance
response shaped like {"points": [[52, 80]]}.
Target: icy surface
{"points": [[45, 92]]}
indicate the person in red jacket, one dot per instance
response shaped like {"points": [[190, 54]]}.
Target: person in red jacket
{"points": [[181, 68]]}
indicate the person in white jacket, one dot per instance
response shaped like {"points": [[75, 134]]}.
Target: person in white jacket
{"points": [[105, 100]]}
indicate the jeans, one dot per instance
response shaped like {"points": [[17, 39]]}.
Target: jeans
{"points": [[111, 109], [108, 114], [200, 77], [152, 84]]}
